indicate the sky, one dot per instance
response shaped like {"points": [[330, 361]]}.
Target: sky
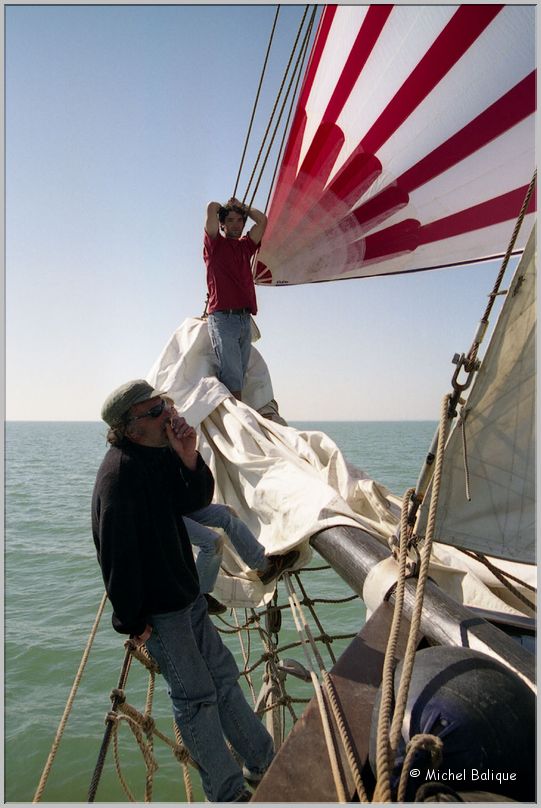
{"points": [[122, 123]]}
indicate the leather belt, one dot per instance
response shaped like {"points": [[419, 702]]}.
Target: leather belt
{"points": [[234, 311]]}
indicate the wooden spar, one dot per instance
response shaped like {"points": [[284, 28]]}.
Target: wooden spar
{"points": [[352, 552]]}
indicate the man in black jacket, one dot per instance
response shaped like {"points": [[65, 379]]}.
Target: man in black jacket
{"points": [[150, 477]]}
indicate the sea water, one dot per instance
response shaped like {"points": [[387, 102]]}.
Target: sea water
{"points": [[53, 588]]}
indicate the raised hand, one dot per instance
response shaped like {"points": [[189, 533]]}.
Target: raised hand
{"points": [[183, 439]]}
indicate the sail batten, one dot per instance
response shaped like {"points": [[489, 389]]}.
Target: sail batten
{"points": [[415, 124]]}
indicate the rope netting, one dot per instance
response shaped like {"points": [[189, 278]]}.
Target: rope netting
{"points": [[274, 683]]}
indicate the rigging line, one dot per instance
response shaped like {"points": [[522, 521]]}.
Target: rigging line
{"points": [[317, 621], [110, 722], [484, 320], [297, 66], [286, 127], [69, 702], [383, 764], [331, 692], [295, 610], [415, 623], [296, 70], [504, 577], [382, 792], [245, 654], [256, 101], [276, 103], [469, 362]]}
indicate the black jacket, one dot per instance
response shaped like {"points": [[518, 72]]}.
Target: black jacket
{"points": [[144, 552]]}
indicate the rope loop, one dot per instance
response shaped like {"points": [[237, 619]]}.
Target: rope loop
{"points": [[422, 741]]}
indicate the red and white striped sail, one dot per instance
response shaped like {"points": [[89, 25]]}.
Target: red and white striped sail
{"points": [[412, 146]]}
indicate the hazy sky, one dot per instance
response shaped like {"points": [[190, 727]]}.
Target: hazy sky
{"points": [[122, 122]]}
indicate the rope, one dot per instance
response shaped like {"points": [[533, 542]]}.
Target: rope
{"points": [[245, 655], [188, 787], [142, 725], [144, 746], [117, 700], [503, 577], [148, 717], [345, 738], [387, 744], [297, 612], [256, 101], [273, 113], [383, 765], [69, 703], [475, 347], [308, 602], [469, 363], [286, 125], [300, 60], [429, 743], [419, 594]]}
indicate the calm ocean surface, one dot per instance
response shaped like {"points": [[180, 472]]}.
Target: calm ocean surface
{"points": [[53, 588]]}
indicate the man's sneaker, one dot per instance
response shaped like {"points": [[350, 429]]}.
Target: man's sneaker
{"points": [[277, 565], [214, 606]]}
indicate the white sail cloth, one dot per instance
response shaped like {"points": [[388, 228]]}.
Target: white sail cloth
{"points": [[284, 483], [499, 424]]}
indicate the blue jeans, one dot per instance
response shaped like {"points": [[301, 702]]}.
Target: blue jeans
{"points": [[208, 703], [210, 544], [231, 337]]}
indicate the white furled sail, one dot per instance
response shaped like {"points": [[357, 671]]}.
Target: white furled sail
{"points": [[412, 145], [499, 420]]}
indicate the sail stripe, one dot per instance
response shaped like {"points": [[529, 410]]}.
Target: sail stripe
{"points": [[492, 211], [287, 171], [408, 235], [367, 37], [430, 114], [299, 120], [505, 113], [461, 32]]}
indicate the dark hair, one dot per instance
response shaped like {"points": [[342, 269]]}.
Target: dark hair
{"points": [[117, 433], [224, 210]]}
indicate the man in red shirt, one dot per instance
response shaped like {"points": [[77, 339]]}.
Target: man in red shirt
{"points": [[231, 291]]}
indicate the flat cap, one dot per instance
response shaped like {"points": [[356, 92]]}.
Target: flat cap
{"points": [[118, 403]]}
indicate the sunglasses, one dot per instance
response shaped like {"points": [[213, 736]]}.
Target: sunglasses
{"points": [[153, 412]]}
